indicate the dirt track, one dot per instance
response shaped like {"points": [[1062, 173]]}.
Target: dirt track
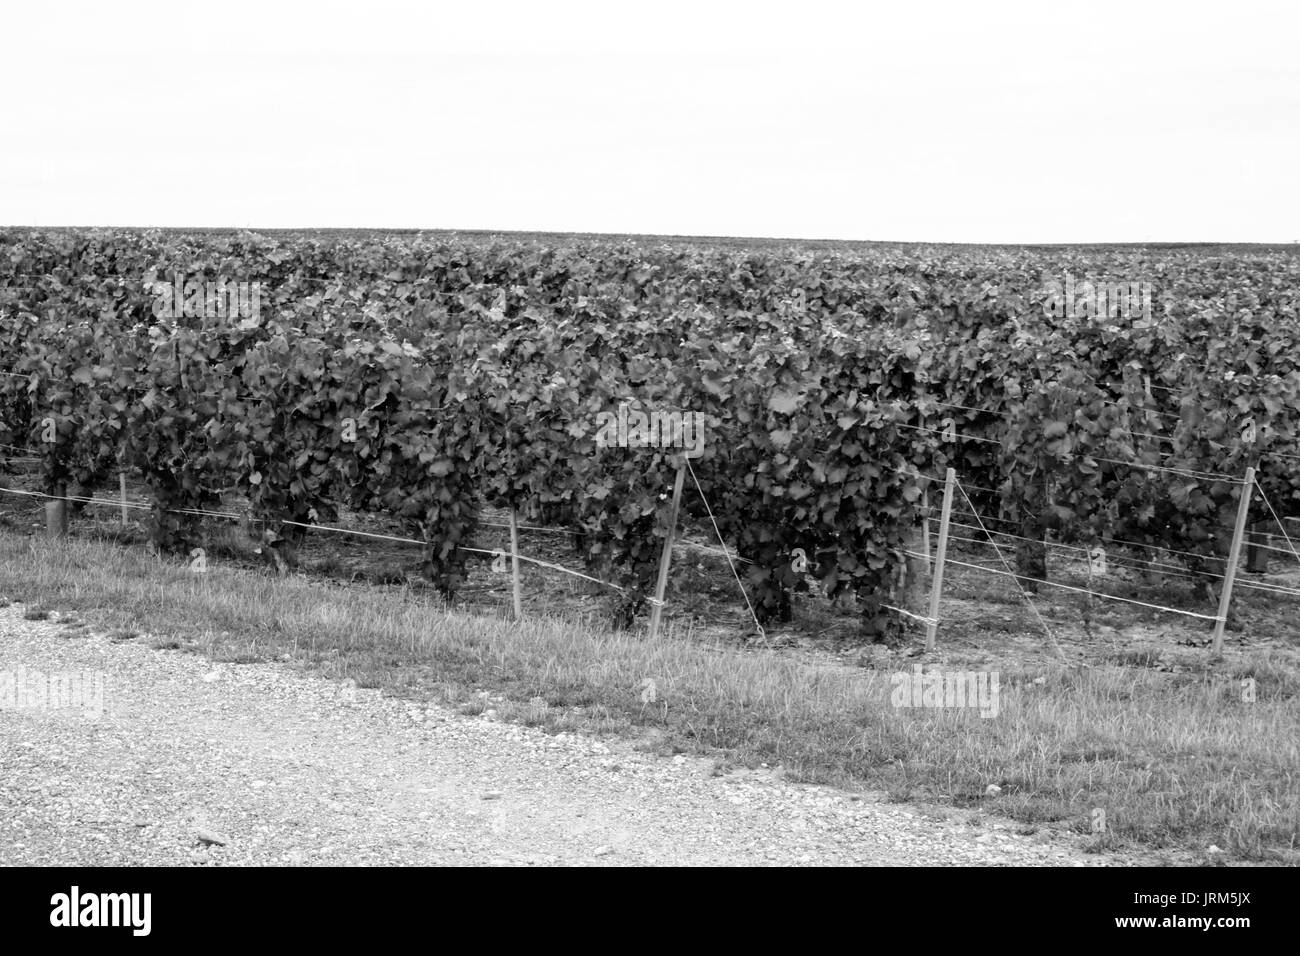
{"points": [[287, 768]]}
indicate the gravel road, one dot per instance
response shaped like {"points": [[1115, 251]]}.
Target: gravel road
{"points": [[190, 763]]}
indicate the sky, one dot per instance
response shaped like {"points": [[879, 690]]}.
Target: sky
{"points": [[964, 122]]}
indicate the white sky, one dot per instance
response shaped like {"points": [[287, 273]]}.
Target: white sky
{"points": [[981, 122]]}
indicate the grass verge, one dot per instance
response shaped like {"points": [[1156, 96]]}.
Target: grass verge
{"points": [[1174, 760]]}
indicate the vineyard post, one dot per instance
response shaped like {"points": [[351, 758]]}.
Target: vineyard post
{"points": [[514, 561], [121, 484], [56, 514], [936, 580], [1234, 556], [925, 534], [657, 604], [180, 371], [1256, 555]]}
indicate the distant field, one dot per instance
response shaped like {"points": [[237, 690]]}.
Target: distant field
{"points": [[718, 242]]}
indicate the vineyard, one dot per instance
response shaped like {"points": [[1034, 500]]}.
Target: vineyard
{"points": [[428, 378]]}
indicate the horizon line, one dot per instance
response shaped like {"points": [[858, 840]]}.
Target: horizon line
{"points": [[695, 237]]}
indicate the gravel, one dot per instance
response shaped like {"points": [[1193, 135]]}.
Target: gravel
{"points": [[196, 763]]}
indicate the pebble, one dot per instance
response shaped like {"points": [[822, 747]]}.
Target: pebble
{"points": [[204, 835]]}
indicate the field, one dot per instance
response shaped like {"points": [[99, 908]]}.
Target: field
{"points": [[365, 413]]}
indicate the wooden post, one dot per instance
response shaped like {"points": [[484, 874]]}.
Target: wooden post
{"points": [[1234, 556], [1256, 555], [121, 484], [514, 562], [657, 605], [180, 371], [56, 514], [1087, 599], [936, 580], [925, 506]]}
